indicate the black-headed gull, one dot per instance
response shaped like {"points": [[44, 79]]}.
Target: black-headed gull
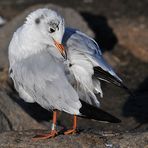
{"points": [[57, 66]]}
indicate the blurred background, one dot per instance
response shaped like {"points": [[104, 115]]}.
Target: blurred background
{"points": [[121, 29]]}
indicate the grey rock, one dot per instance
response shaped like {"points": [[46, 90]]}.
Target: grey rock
{"points": [[23, 139], [72, 19], [5, 124], [13, 117], [132, 35]]}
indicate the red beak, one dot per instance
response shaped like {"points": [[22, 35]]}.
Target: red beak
{"points": [[61, 49]]}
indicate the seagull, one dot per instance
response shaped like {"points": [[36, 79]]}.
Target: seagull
{"points": [[57, 67]]}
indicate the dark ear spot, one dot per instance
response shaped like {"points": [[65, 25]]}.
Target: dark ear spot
{"points": [[42, 16], [37, 21]]}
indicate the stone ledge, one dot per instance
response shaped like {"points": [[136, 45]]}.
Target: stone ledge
{"points": [[84, 139]]}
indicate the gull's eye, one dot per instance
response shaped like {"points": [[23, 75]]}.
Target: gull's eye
{"points": [[51, 30]]}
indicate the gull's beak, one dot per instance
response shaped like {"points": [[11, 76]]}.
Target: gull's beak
{"points": [[61, 49]]}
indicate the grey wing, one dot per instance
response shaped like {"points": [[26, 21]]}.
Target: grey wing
{"points": [[87, 46], [44, 80]]}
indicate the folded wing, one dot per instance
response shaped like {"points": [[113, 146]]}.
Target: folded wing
{"points": [[43, 79]]}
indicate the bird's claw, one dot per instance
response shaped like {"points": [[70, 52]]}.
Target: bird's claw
{"points": [[52, 134], [70, 131]]}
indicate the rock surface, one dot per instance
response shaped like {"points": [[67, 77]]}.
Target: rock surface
{"points": [[23, 139], [13, 117], [132, 35], [4, 123]]}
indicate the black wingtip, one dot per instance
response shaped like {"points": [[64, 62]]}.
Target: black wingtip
{"points": [[101, 74], [127, 90], [91, 112]]}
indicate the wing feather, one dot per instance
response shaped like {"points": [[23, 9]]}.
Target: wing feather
{"points": [[88, 47]]}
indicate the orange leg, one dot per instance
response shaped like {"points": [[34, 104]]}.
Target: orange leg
{"points": [[53, 132], [74, 129]]}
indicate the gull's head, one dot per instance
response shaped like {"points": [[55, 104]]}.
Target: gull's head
{"points": [[50, 27]]}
